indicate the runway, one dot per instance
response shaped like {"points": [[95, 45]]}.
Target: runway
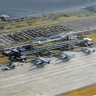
{"points": [[58, 77]]}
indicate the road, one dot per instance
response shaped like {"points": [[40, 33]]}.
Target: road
{"points": [[58, 77]]}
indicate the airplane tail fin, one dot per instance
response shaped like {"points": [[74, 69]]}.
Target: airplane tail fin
{"points": [[63, 57], [49, 62], [94, 50]]}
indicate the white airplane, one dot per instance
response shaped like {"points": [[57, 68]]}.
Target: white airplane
{"points": [[89, 50], [67, 56], [43, 61]]}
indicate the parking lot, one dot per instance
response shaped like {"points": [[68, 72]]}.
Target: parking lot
{"points": [[29, 35]]}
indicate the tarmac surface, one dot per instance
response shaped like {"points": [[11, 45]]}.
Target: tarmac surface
{"points": [[58, 77]]}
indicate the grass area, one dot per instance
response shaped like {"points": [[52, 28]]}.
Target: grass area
{"points": [[4, 60], [1, 20], [70, 17], [90, 14], [92, 36], [14, 26], [1, 55], [76, 16], [38, 22], [25, 24], [90, 91], [62, 18]]}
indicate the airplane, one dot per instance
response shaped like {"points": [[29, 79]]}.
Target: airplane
{"points": [[88, 50], [67, 56], [12, 66], [43, 61]]}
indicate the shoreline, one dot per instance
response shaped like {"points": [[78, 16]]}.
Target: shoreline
{"points": [[66, 12], [59, 11], [46, 16], [49, 15]]}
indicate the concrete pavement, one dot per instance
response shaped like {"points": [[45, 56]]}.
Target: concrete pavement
{"points": [[58, 77]]}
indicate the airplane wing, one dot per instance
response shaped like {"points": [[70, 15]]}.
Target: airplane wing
{"points": [[42, 59], [64, 57], [67, 55], [40, 62]]}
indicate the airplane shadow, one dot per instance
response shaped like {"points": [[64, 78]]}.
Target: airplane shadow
{"points": [[34, 63], [75, 50], [62, 60], [86, 54], [48, 56]]}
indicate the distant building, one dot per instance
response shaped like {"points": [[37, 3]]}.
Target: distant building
{"points": [[4, 17], [88, 39], [91, 8]]}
